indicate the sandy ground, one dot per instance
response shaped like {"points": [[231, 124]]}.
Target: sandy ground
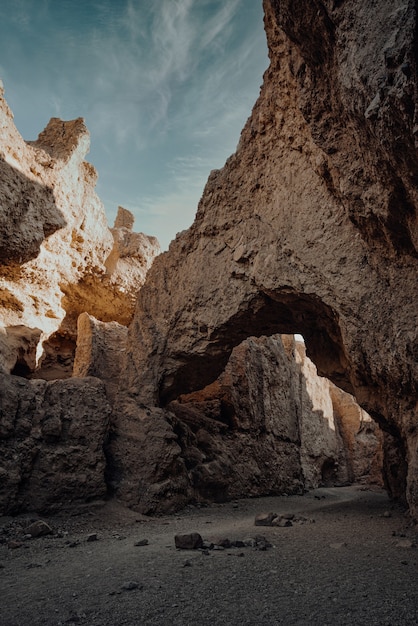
{"points": [[356, 564]]}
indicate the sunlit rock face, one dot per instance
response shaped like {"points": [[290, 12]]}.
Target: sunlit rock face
{"points": [[100, 351], [59, 261], [58, 258], [310, 227], [267, 425]]}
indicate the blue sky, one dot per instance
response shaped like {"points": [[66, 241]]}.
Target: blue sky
{"points": [[165, 87]]}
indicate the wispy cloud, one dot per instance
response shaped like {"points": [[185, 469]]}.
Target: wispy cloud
{"points": [[165, 87]]}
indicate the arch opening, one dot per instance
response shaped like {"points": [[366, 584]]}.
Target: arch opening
{"points": [[284, 312]]}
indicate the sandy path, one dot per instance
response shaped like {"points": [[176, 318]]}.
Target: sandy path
{"points": [[346, 568]]}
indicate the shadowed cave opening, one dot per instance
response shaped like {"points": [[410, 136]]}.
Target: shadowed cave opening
{"points": [[286, 312]]}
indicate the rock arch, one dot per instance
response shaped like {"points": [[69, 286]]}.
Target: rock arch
{"points": [[310, 227]]}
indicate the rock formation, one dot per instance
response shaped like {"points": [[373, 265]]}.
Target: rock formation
{"points": [[310, 227], [100, 351], [267, 425], [58, 258], [51, 443]]}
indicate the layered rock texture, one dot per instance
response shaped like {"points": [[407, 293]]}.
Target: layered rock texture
{"points": [[310, 227], [58, 258]]}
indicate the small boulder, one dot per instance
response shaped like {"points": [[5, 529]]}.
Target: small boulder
{"points": [[264, 519], [38, 529], [189, 541], [281, 522]]}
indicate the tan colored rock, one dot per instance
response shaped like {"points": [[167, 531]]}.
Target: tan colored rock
{"points": [[58, 258], [266, 426], [340, 443], [18, 349], [124, 219], [362, 438], [100, 351], [51, 443], [310, 227]]}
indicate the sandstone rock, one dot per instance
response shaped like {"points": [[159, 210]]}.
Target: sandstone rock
{"points": [[100, 351], [38, 529], [18, 349], [362, 438], [310, 227], [144, 462], [58, 258], [340, 443], [190, 541], [264, 519], [51, 443]]}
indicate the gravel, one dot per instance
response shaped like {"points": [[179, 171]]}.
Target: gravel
{"points": [[352, 564]]}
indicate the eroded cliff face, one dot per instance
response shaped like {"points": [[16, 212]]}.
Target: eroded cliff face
{"points": [[310, 227], [268, 425], [58, 261], [51, 443], [58, 258]]}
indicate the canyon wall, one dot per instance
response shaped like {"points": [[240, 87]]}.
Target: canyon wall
{"points": [[58, 258], [310, 227], [58, 261]]}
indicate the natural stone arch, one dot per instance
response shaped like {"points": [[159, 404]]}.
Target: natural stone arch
{"points": [[310, 227], [285, 312]]}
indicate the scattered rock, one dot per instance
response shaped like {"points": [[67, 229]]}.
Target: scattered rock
{"points": [[237, 544], [38, 529], [13, 545], [92, 537], [281, 522], [264, 519], [190, 541], [338, 546], [261, 543]]}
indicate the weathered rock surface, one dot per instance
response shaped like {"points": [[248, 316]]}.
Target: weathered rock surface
{"points": [[58, 258], [267, 425], [100, 351], [340, 443], [310, 227], [51, 443]]}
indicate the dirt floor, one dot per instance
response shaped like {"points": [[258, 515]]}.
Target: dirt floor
{"points": [[352, 560]]}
